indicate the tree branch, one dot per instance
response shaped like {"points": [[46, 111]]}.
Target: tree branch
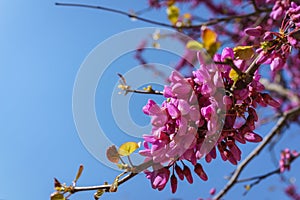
{"points": [[144, 91], [255, 5], [274, 87], [134, 16], [106, 187], [282, 122]]}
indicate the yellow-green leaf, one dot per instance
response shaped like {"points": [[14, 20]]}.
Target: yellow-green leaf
{"points": [[233, 75], [148, 88], [213, 48], [57, 196], [210, 42], [112, 154], [128, 148], [194, 45], [209, 37], [243, 52], [173, 13], [122, 166]]}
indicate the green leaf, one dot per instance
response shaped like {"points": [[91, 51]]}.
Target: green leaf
{"points": [[123, 166], [234, 75], [128, 148], [57, 196], [210, 43], [209, 37], [173, 13], [194, 45], [243, 52]]}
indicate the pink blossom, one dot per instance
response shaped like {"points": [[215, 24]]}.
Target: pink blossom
{"points": [[158, 178], [256, 32], [286, 158]]}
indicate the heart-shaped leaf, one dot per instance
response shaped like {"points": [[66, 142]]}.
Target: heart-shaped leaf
{"points": [[128, 148], [112, 154]]}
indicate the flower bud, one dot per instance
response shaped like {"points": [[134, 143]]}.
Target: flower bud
{"points": [[200, 172], [256, 32], [179, 172], [187, 173], [173, 183]]}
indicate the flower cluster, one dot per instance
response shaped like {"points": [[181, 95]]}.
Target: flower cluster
{"points": [[286, 158], [202, 114], [291, 191], [279, 8], [276, 46]]}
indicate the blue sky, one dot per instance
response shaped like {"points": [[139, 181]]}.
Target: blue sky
{"points": [[42, 49]]}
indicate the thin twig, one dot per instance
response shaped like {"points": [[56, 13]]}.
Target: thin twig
{"points": [[255, 5], [276, 171], [253, 67], [134, 16], [144, 91], [232, 65], [262, 177], [282, 122], [106, 187], [274, 87]]}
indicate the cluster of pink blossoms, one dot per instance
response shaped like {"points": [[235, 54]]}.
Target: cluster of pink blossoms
{"points": [[286, 158], [291, 192], [276, 46], [202, 114]]}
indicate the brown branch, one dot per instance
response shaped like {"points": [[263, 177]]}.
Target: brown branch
{"points": [[264, 176], [276, 171], [134, 16], [274, 87], [255, 5], [261, 177], [231, 64], [144, 91], [281, 123], [130, 15], [106, 187], [252, 68]]}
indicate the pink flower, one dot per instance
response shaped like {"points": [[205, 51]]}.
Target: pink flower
{"points": [[292, 192], [212, 191], [256, 32], [286, 158], [158, 178]]}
